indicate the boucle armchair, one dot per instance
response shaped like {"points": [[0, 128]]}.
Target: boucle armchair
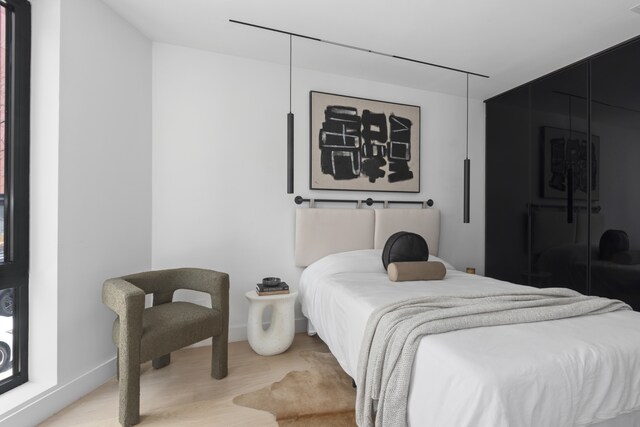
{"points": [[153, 333]]}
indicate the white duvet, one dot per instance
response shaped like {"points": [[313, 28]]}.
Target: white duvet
{"points": [[570, 372]]}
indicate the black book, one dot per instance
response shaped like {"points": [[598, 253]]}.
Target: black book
{"points": [[282, 286], [270, 293]]}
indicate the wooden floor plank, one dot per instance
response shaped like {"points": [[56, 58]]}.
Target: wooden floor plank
{"points": [[184, 394]]}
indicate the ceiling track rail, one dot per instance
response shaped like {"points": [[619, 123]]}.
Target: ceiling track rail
{"points": [[303, 36]]}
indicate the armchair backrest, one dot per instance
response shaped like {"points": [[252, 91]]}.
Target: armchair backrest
{"points": [[163, 283]]}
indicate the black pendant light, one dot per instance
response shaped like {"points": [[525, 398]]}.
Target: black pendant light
{"points": [[290, 128], [467, 162], [467, 168]]}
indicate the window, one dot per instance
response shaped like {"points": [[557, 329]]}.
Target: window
{"points": [[15, 46]]}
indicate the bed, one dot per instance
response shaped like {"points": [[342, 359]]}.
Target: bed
{"points": [[570, 372]]}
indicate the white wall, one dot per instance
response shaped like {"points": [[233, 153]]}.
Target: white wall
{"points": [[105, 174], [98, 174], [219, 157]]}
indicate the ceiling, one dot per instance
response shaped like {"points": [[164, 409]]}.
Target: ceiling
{"points": [[511, 41]]}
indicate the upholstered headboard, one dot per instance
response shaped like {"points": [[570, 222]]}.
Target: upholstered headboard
{"points": [[320, 232]]}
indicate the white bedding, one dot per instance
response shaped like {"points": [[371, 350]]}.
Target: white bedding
{"points": [[570, 372]]}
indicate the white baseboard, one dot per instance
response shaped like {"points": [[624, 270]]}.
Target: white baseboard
{"points": [[56, 398], [239, 333], [53, 400]]}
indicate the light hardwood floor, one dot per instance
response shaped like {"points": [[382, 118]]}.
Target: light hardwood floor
{"points": [[183, 393]]}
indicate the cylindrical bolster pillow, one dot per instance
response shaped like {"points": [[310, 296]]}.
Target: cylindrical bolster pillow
{"points": [[418, 270]]}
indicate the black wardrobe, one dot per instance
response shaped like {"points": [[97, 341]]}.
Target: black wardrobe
{"points": [[563, 178]]}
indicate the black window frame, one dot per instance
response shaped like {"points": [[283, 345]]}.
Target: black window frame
{"points": [[14, 270]]}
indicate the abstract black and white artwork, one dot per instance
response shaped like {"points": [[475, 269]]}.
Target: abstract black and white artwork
{"points": [[362, 144], [565, 164]]}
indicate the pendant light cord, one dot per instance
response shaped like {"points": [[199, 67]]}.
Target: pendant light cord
{"points": [[290, 69], [467, 115]]}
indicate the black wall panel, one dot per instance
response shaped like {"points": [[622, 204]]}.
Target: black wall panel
{"points": [[562, 168]]}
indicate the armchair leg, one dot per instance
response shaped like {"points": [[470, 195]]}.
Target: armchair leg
{"points": [[161, 362], [129, 388], [219, 354]]}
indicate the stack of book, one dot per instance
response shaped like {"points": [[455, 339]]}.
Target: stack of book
{"points": [[280, 288]]}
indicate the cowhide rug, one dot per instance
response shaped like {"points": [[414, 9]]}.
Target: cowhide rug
{"points": [[320, 396]]}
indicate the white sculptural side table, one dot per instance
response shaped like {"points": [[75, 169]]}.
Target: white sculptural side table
{"points": [[279, 336]]}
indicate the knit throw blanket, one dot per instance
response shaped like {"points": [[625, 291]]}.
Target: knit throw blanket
{"points": [[393, 334]]}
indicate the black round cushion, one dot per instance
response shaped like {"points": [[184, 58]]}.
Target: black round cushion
{"points": [[404, 246], [611, 242]]}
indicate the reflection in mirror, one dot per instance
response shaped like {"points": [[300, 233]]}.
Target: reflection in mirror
{"points": [[615, 265], [559, 181]]}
